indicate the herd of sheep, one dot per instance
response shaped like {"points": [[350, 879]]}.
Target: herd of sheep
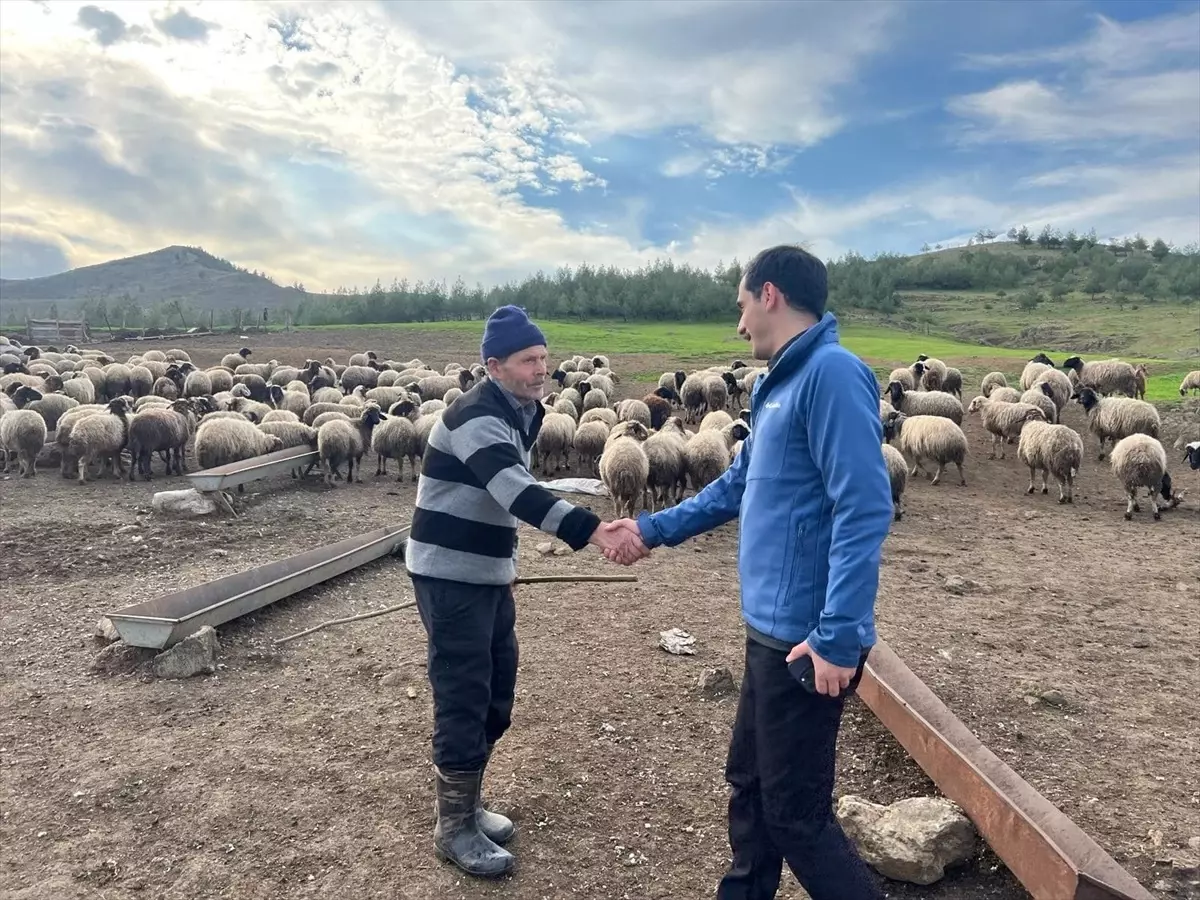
{"points": [[94, 409], [923, 414]]}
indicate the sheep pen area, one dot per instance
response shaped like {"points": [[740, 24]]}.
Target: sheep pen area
{"points": [[303, 770]]}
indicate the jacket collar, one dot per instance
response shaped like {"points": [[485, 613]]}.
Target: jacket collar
{"points": [[793, 354], [512, 416]]}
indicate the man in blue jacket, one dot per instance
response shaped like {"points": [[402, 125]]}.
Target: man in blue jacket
{"points": [[814, 501]]}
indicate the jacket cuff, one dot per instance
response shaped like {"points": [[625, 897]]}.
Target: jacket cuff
{"points": [[578, 526], [838, 655], [651, 536]]}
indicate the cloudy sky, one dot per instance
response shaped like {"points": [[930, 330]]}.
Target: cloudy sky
{"points": [[337, 143]]}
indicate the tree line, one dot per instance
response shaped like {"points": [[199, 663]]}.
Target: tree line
{"points": [[668, 291]]}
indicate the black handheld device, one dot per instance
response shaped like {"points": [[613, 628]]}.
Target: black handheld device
{"points": [[802, 670]]}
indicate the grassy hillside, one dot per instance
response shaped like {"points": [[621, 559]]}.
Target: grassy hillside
{"points": [[706, 343]]}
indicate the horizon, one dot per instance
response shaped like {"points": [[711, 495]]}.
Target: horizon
{"points": [[344, 144]]}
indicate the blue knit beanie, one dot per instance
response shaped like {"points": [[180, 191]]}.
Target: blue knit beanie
{"points": [[508, 330]]}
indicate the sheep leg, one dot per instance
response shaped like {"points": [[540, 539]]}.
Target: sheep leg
{"points": [[1131, 505], [1064, 493], [962, 479], [328, 469], [350, 479], [937, 476], [4, 453], [82, 466], [1045, 487], [30, 463], [1154, 503], [381, 466], [1029, 490]]}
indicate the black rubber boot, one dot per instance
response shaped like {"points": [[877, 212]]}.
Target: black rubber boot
{"points": [[457, 836], [497, 827]]}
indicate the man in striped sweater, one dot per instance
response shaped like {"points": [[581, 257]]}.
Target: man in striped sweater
{"points": [[462, 555]]}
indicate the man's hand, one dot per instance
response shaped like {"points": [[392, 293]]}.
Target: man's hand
{"points": [[620, 541], [829, 679]]}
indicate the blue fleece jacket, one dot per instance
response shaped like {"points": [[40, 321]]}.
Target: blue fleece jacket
{"points": [[814, 500]]}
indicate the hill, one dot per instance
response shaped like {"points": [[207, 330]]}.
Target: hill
{"points": [[187, 274]]}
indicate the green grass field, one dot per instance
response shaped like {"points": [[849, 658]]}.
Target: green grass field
{"points": [[712, 342]]}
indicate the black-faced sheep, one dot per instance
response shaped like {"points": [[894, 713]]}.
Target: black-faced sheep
{"points": [[660, 409], [50, 407], [708, 453], [396, 438], [926, 403], [624, 467], [1034, 368], [931, 374], [22, 436], [1139, 461], [158, 429], [1040, 398], [1109, 376], [232, 360], [1057, 386], [344, 441], [1054, 450], [1191, 454], [101, 437], [925, 437], [1113, 418]]}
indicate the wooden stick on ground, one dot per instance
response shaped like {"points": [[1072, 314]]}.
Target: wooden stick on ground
{"points": [[530, 579]]}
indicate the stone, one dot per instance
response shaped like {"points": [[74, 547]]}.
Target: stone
{"points": [[913, 840], [545, 548], [196, 654], [956, 584], [187, 503], [562, 550], [106, 631], [120, 659], [1053, 698], [716, 683], [677, 641], [392, 679], [1194, 842], [127, 529]]}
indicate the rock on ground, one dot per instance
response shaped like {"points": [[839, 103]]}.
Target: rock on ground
{"points": [[912, 840], [716, 683], [119, 659], [106, 631], [196, 654], [183, 503]]}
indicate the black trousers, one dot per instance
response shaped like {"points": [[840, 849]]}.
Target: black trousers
{"points": [[781, 768], [472, 667]]}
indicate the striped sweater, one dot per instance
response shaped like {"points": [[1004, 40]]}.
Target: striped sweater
{"points": [[475, 484]]}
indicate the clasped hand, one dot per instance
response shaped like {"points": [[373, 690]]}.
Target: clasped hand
{"points": [[620, 541]]}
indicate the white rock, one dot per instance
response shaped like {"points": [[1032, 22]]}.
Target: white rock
{"points": [[677, 641], [105, 630], [912, 840]]}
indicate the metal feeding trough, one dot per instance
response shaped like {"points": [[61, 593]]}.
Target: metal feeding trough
{"points": [[280, 462], [161, 622], [1050, 855]]}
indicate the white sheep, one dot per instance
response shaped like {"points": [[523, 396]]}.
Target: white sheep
{"points": [[926, 403], [1003, 420], [1108, 376], [554, 441], [991, 381], [590, 438], [716, 392], [222, 441], [22, 436], [666, 451], [633, 411], [904, 377], [692, 397], [1114, 418], [930, 373], [715, 420], [897, 470], [1034, 368], [1058, 388], [396, 438], [604, 414], [708, 454], [923, 437], [1040, 398], [1139, 461], [1005, 395], [1054, 450], [1191, 382], [624, 468]]}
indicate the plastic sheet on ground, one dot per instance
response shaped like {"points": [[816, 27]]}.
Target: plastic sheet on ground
{"points": [[593, 486]]}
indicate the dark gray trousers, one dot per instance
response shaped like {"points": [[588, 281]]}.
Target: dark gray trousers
{"points": [[472, 667]]}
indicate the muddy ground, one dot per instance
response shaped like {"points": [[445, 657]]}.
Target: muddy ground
{"points": [[302, 770]]}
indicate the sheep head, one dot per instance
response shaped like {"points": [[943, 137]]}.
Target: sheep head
{"points": [[895, 392], [403, 409], [1044, 360], [560, 376], [24, 394], [729, 380], [1191, 454], [1073, 362], [922, 357], [1087, 398], [893, 425], [630, 429], [977, 404]]}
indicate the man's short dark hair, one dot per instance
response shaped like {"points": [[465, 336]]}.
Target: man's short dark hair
{"points": [[799, 275]]}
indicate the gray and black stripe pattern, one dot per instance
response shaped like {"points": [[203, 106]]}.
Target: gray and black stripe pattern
{"points": [[475, 484]]}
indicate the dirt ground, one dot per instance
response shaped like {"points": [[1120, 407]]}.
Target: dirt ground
{"points": [[303, 770]]}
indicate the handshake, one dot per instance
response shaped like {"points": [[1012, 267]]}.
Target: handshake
{"points": [[620, 541]]}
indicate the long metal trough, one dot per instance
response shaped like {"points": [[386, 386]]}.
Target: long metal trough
{"points": [[1051, 856], [161, 622], [278, 463]]}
